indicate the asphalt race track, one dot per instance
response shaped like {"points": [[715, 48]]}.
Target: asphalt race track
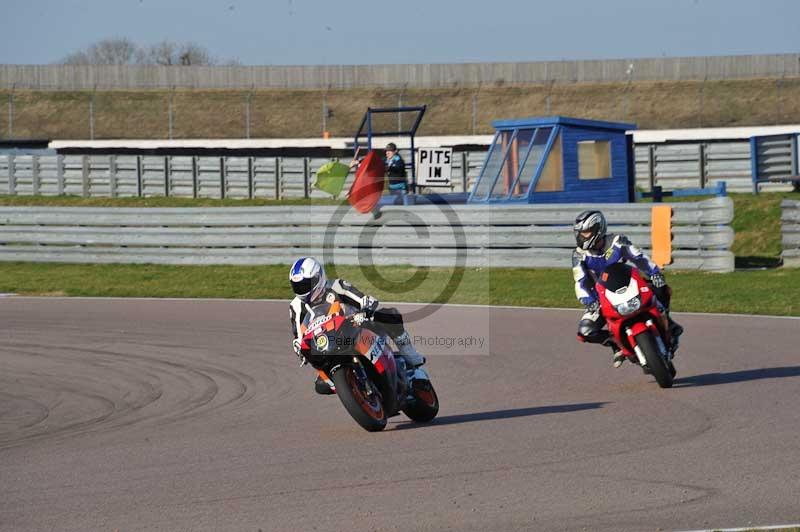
{"points": [[194, 415]]}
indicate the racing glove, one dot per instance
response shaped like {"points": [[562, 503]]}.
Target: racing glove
{"points": [[369, 305], [661, 289], [299, 352], [593, 307], [359, 318]]}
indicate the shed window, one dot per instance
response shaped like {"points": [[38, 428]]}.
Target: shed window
{"points": [[532, 162], [519, 148], [495, 163], [552, 177], [594, 159]]}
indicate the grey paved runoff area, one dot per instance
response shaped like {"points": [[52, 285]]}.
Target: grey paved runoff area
{"points": [[193, 415]]}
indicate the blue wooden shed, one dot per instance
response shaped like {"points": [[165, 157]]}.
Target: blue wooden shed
{"points": [[557, 160]]}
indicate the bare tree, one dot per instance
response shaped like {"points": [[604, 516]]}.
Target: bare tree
{"points": [[163, 53], [115, 51], [122, 51], [170, 53], [194, 54]]}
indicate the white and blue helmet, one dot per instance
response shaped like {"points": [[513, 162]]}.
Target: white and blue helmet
{"points": [[308, 279]]}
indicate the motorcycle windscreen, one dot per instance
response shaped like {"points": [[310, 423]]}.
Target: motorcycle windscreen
{"points": [[616, 276]]}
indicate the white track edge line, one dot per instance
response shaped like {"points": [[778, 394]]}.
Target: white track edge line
{"points": [[744, 529], [466, 305]]}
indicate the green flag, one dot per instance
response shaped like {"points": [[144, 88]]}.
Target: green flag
{"points": [[331, 177]]}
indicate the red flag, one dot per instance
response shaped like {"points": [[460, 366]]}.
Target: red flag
{"points": [[368, 184]]}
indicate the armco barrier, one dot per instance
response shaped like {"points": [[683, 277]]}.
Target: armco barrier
{"points": [[476, 236], [790, 232], [182, 176]]}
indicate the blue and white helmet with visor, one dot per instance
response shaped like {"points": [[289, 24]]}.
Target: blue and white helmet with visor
{"points": [[308, 279]]}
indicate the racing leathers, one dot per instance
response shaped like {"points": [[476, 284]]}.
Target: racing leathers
{"points": [[588, 265], [388, 320]]}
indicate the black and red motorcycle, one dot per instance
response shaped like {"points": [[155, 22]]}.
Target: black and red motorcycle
{"points": [[636, 323], [371, 381]]}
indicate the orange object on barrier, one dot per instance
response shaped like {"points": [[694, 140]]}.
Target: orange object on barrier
{"points": [[661, 235]]}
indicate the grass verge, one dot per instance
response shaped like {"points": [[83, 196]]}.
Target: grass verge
{"points": [[770, 292]]}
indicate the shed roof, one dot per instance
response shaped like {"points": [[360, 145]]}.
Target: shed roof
{"points": [[544, 121]]}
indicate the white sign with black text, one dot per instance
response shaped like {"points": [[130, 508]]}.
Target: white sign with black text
{"points": [[434, 167]]}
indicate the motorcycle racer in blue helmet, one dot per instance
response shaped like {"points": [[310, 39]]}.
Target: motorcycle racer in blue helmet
{"points": [[311, 287]]}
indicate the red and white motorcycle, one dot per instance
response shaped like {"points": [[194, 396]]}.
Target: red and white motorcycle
{"points": [[636, 323]]}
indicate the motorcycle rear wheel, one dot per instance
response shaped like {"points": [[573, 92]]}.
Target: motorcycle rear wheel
{"points": [[366, 409], [655, 362], [425, 405]]}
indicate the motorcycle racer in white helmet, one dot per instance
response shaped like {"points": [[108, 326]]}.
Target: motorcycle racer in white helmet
{"points": [[311, 287]]}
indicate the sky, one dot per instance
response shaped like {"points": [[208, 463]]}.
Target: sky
{"points": [[320, 32]]}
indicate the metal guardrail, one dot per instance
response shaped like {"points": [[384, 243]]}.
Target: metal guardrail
{"points": [[90, 77], [790, 232], [182, 176], [680, 165], [473, 236], [670, 166]]}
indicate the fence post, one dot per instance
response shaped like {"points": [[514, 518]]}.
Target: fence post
{"points": [[112, 176], [702, 164], [247, 115], [324, 114], [166, 176], [464, 171], [251, 192], [278, 177], [60, 174], [35, 177], [12, 175], [474, 113], [85, 176], [11, 113], [651, 166], [306, 176], [139, 172], [222, 177], [91, 116], [195, 175], [169, 111]]}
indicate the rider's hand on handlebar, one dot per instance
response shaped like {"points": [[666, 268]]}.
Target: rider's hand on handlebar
{"points": [[359, 318], [299, 352], [369, 305], [594, 306], [658, 281]]}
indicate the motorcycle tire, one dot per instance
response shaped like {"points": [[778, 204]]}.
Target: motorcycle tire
{"points": [[366, 410], [655, 362], [425, 405]]}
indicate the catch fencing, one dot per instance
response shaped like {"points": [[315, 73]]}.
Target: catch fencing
{"points": [[671, 166], [530, 236], [677, 165], [790, 232], [91, 77], [183, 176]]}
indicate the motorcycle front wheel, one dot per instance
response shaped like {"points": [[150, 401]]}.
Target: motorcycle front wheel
{"points": [[655, 362], [366, 408], [425, 405]]}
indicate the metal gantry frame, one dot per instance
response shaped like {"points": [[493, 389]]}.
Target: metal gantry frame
{"points": [[366, 130]]}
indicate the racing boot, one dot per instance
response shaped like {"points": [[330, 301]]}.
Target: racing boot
{"points": [[617, 357], [408, 351], [322, 387], [675, 331]]}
